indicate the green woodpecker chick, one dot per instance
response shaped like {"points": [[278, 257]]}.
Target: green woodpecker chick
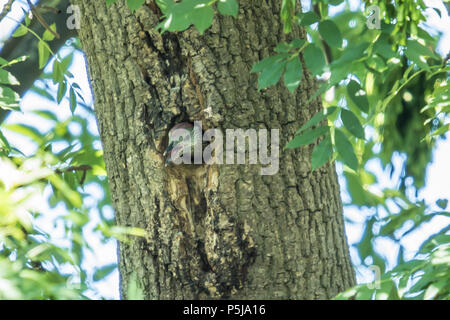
{"points": [[183, 137]]}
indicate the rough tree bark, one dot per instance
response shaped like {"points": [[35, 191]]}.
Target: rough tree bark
{"points": [[214, 231]]}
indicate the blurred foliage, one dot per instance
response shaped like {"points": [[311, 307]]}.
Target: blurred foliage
{"points": [[66, 164], [424, 277], [37, 265], [385, 93], [67, 161], [406, 85]]}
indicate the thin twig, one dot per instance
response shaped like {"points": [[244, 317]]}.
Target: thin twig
{"points": [[6, 9], [83, 168], [326, 47], [41, 20], [51, 9]]}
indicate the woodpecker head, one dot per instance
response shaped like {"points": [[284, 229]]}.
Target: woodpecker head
{"points": [[175, 152], [181, 138]]}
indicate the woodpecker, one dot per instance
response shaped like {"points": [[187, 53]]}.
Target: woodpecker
{"points": [[182, 137]]}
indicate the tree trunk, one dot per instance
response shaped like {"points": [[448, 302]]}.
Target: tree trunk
{"points": [[214, 231]]}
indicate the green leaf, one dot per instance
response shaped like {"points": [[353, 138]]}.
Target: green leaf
{"points": [[287, 14], [65, 63], [4, 144], [307, 18], [293, 74], [440, 131], [321, 153], [416, 52], [70, 195], [202, 17], [345, 149], [319, 116], [420, 49], [135, 4], [435, 288], [442, 203], [350, 55], [337, 75], [165, 5], [58, 72], [314, 59], [434, 241], [4, 63], [397, 221], [283, 47], [268, 62], [73, 100], [103, 272], [365, 244], [271, 75], [20, 31], [335, 2], [27, 18], [383, 47], [44, 54], [360, 196], [323, 87], [364, 292], [358, 96], [69, 178], [168, 24], [7, 78], [352, 123], [228, 7], [422, 283], [387, 28], [62, 88], [44, 93], [178, 15], [298, 43], [307, 138], [48, 115], [9, 99], [330, 33], [48, 36], [26, 130], [393, 293], [418, 59]]}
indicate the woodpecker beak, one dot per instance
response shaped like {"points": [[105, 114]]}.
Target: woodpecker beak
{"points": [[169, 148]]}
